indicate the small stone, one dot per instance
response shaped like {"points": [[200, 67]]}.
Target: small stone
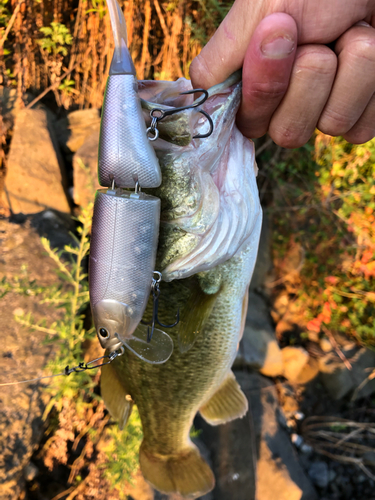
{"points": [[280, 306], [297, 440], [313, 337], [30, 472], [18, 311], [319, 474], [325, 345], [306, 449], [294, 360], [283, 326], [291, 424], [331, 476]]}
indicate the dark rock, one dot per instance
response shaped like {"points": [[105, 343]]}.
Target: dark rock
{"points": [[55, 226], [319, 474], [263, 266], [253, 457], [259, 348], [340, 381], [36, 177]]}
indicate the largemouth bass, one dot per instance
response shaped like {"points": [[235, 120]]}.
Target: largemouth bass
{"points": [[209, 235]]}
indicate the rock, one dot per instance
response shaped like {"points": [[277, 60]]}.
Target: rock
{"points": [[363, 363], [259, 348], [283, 326], [294, 360], [257, 437], [319, 474], [280, 306], [264, 263], [22, 355], [308, 372], [325, 345], [335, 376], [30, 472], [36, 178], [55, 226], [74, 130], [85, 171], [339, 381], [313, 336]]}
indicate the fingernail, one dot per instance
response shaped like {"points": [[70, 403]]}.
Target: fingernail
{"points": [[277, 48], [363, 23]]}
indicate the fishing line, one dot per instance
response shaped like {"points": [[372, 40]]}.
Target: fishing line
{"points": [[81, 367]]}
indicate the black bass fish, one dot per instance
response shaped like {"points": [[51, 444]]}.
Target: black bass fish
{"points": [[209, 235]]}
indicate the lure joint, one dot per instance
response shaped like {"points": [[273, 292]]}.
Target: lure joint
{"points": [[159, 114], [155, 290]]}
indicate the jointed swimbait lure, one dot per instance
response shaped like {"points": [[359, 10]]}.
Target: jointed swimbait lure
{"points": [[125, 223]]}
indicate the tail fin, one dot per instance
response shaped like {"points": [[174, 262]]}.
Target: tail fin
{"points": [[186, 473]]}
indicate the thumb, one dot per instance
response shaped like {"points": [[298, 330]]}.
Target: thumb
{"points": [[266, 72], [224, 53]]}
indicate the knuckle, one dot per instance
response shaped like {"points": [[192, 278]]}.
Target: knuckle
{"points": [[332, 122], [360, 135], [270, 90], [362, 48], [318, 59], [289, 137]]}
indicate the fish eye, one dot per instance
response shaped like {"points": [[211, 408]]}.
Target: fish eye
{"points": [[103, 333]]}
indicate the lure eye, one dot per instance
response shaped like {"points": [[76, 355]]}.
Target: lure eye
{"points": [[103, 333]]}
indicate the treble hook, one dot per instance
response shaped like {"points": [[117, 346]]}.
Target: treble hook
{"points": [[155, 295], [162, 113]]}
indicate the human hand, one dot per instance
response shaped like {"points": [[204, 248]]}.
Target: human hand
{"points": [[292, 81]]}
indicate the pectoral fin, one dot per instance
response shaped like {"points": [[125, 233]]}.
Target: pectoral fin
{"points": [[228, 403], [196, 312], [116, 398]]}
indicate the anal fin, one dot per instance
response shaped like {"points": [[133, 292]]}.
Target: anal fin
{"points": [[228, 403], [117, 400]]}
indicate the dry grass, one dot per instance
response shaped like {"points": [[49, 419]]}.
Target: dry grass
{"points": [[343, 440], [160, 36]]}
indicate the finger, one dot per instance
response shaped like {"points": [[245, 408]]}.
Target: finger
{"points": [[318, 21], [354, 83], [266, 72], [364, 129], [294, 121]]}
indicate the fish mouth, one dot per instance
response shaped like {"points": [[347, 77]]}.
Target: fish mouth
{"points": [[210, 202]]}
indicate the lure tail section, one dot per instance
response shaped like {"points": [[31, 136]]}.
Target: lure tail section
{"points": [[122, 63], [125, 153]]}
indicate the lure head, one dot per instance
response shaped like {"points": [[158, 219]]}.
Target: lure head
{"points": [[112, 322]]}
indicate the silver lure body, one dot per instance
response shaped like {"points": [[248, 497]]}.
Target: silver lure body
{"points": [[125, 153], [125, 226], [124, 240]]}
